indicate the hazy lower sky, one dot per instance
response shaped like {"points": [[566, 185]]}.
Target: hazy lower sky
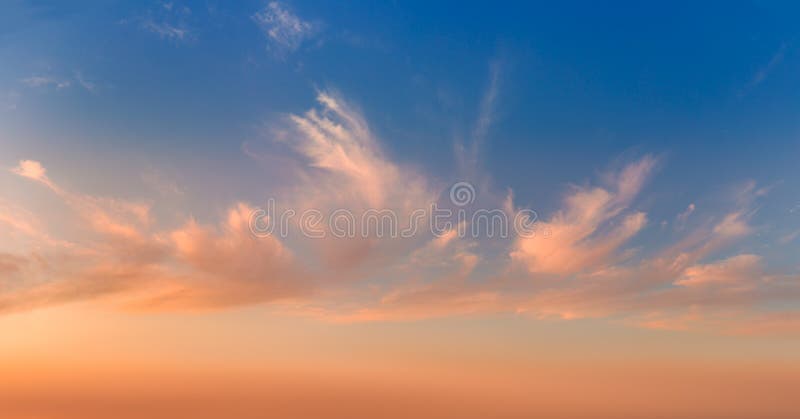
{"points": [[399, 209]]}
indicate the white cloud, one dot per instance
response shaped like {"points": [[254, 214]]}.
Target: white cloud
{"points": [[86, 84], [169, 22], [39, 81], [285, 30], [43, 81], [165, 30]]}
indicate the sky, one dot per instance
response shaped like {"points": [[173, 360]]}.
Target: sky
{"points": [[364, 209]]}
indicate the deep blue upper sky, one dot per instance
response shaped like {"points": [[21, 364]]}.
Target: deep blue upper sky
{"points": [[711, 88]]}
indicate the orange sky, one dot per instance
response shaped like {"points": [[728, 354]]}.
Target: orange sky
{"points": [[79, 361], [297, 209]]}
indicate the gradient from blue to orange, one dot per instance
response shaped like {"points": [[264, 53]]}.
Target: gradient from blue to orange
{"points": [[657, 143]]}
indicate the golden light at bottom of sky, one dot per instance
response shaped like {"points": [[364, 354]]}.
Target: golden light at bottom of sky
{"points": [[247, 363]]}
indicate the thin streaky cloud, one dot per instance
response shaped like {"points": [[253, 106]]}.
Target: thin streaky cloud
{"points": [[86, 84], [684, 216], [44, 81], [165, 30], [486, 115], [581, 266], [168, 21], [469, 155], [161, 183], [285, 31], [39, 81], [776, 60], [789, 238], [764, 71]]}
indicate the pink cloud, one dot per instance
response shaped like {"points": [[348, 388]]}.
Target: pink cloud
{"points": [[578, 264], [582, 236]]}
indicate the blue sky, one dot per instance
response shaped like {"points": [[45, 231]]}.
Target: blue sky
{"points": [[116, 97], [642, 155]]}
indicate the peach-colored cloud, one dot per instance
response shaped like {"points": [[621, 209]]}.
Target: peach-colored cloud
{"points": [[126, 257], [231, 253], [337, 140], [343, 167], [674, 282], [582, 236], [10, 264], [197, 266], [33, 169], [736, 269], [127, 262]]}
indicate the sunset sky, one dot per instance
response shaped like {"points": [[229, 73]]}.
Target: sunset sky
{"points": [[173, 176]]}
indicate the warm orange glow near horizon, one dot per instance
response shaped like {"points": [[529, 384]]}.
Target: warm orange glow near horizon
{"points": [[84, 362]]}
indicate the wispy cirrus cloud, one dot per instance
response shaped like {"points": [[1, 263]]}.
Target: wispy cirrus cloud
{"points": [[581, 236], [44, 81], [765, 70], [166, 30], [90, 86], [581, 263], [285, 31], [468, 154], [59, 83], [161, 183], [683, 217], [168, 20], [774, 61]]}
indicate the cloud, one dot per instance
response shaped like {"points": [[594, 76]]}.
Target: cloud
{"points": [[26, 227], [763, 72], [230, 253], [285, 30], [580, 263], [737, 269], [169, 21], [165, 30], [42, 81], [486, 114], [86, 84], [122, 260], [159, 182], [341, 165], [32, 169], [337, 140], [761, 75], [10, 264], [582, 236], [684, 216], [673, 288], [200, 265], [788, 238], [468, 156]]}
